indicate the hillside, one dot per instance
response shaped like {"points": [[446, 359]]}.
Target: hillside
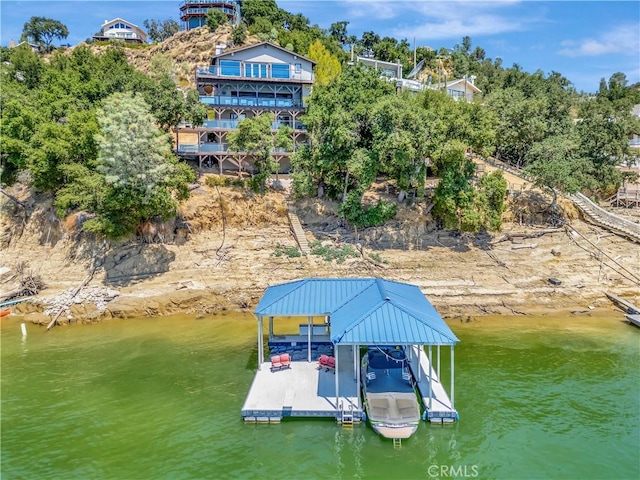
{"points": [[229, 245], [187, 49]]}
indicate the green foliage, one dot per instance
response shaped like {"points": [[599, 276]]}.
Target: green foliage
{"points": [[291, 252], [377, 258], [215, 18], [42, 31], [239, 34], [360, 216], [492, 190], [340, 126], [327, 65], [330, 253], [159, 31], [26, 66], [254, 137], [555, 163], [454, 196], [268, 10]]}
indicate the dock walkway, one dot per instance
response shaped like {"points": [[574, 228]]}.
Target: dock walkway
{"points": [[441, 410]]}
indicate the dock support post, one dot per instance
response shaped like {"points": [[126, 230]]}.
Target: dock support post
{"points": [[452, 363], [419, 359], [430, 380], [260, 346], [309, 328], [270, 328], [355, 362], [336, 372], [439, 378], [357, 349]]}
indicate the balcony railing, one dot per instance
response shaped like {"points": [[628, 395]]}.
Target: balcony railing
{"points": [[251, 102], [208, 2], [213, 148], [233, 124], [241, 72]]}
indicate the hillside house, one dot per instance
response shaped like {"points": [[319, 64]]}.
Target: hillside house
{"points": [[463, 88], [193, 13], [121, 29], [244, 83]]}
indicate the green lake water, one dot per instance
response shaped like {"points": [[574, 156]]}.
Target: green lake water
{"points": [[161, 399]]}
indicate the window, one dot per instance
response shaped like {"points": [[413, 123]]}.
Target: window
{"points": [[280, 70], [298, 68], [255, 70], [230, 68]]}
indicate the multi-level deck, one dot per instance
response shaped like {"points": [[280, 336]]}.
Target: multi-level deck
{"points": [[193, 13], [241, 84]]}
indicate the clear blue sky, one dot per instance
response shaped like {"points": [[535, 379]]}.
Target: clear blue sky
{"points": [[584, 41]]}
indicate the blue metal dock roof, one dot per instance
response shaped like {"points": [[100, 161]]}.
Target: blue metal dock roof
{"points": [[363, 311]]}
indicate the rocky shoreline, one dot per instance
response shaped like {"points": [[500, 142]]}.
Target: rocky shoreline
{"points": [[226, 266]]}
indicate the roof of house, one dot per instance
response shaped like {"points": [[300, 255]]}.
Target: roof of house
{"points": [[363, 311], [456, 82], [132, 25], [255, 45]]}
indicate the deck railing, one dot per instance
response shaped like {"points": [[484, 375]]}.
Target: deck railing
{"points": [[250, 102], [240, 73], [214, 148]]}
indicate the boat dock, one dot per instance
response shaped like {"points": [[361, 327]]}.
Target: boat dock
{"points": [[438, 406], [303, 391]]}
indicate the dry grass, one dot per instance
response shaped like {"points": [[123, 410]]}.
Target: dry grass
{"points": [[208, 207]]}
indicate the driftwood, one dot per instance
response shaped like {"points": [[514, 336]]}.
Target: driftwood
{"points": [[524, 245], [521, 236], [86, 280], [12, 198]]}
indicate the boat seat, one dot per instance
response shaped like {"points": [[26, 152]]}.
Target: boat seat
{"points": [[371, 376]]}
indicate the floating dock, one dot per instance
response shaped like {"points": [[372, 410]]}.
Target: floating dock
{"points": [[303, 391], [438, 406]]}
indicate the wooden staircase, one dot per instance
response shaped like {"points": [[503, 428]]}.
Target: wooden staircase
{"points": [[607, 220], [298, 231]]}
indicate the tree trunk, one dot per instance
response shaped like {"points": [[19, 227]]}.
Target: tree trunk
{"points": [[346, 184]]}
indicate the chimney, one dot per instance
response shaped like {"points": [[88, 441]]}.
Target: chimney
{"points": [[220, 47], [12, 44]]}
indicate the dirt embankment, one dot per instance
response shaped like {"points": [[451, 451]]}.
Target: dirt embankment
{"points": [[227, 246]]}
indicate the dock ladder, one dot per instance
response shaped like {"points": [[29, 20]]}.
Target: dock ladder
{"points": [[346, 416], [397, 442]]}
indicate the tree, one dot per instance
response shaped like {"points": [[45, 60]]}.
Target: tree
{"points": [[159, 31], [141, 174], [555, 164], [254, 137], [327, 66], [267, 9], [401, 141], [338, 31], [42, 31], [239, 34], [215, 18], [454, 198]]}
